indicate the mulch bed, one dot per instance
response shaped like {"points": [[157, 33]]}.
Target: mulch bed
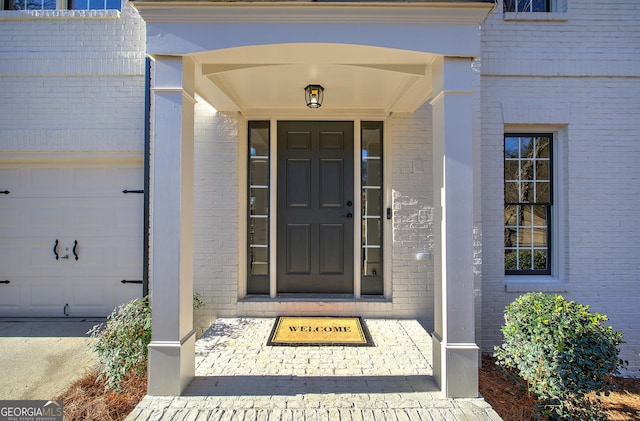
{"points": [[507, 394], [88, 399]]}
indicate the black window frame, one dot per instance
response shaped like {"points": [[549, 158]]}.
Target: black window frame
{"points": [[547, 204], [511, 6]]}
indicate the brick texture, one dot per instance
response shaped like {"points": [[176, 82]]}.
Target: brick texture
{"points": [[579, 78], [72, 81]]}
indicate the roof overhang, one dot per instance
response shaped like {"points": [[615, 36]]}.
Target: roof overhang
{"points": [[370, 57]]}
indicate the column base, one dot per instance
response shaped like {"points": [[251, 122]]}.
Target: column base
{"points": [[172, 365], [455, 368]]}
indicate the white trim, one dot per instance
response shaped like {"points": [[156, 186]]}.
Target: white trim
{"points": [[273, 208], [357, 209], [387, 191], [300, 12], [243, 169]]}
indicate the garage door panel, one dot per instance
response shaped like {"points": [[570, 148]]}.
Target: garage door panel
{"points": [[24, 217], [52, 297], [69, 202], [9, 296], [55, 181]]}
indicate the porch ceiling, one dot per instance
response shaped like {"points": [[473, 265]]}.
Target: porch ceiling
{"points": [[356, 78]]}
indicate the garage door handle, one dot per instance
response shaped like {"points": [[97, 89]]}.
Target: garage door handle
{"points": [[4, 192], [5, 282], [75, 249], [124, 281], [132, 191], [55, 249]]}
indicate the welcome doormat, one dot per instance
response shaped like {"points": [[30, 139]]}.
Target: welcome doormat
{"points": [[320, 331]]}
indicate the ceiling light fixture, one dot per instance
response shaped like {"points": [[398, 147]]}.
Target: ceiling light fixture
{"points": [[314, 94]]}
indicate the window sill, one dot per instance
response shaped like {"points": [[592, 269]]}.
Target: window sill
{"points": [[536, 16], [59, 14], [534, 283]]}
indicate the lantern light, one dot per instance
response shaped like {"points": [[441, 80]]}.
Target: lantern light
{"points": [[314, 94]]}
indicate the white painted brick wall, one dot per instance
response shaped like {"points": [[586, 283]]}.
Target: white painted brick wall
{"points": [[412, 162], [581, 76], [216, 213], [72, 81]]}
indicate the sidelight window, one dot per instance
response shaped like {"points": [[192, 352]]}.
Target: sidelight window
{"points": [[372, 208], [258, 208]]}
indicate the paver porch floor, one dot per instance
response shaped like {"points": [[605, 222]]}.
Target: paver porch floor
{"points": [[239, 377]]}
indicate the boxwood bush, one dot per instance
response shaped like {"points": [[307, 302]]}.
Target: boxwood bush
{"points": [[562, 350], [121, 343]]}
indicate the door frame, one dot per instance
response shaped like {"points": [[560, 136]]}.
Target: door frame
{"points": [[334, 283], [273, 196]]}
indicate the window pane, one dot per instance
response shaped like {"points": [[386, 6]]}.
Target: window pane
{"points": [[259, 141], [542, 193], [543, 148], [371, 175], [526, 192], [539, 237], [371, 142], [511, 192], [259, 202], [79, 4], [259, 231], [539, 6], [540, 260], [96, 4], [113, 4], [510, 260], [511, 170], [524, 260], [371, 232], [526, 170], [511, 147], [259, 261], [539, 216], [526, 147], [371, 202], [259, 172], [371, 262], [542, 170], [510, 215], [510, 237]]}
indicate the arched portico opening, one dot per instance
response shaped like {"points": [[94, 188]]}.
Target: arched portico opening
{"points": [[408, 53]]}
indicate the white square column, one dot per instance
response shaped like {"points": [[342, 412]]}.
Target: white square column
{"points": [[172, 347], [455, 353]]}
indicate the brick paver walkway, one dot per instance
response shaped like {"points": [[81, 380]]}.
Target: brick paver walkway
{"points": [[239, 377]]}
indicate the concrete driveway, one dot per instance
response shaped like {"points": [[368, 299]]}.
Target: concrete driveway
{"points": [[40, 358]]}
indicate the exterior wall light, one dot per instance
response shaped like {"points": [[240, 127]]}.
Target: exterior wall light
{"points": [[314, 94]]}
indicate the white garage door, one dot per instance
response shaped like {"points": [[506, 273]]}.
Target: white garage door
{"points": [[68, 237]]}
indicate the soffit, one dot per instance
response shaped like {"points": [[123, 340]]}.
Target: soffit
{"points": [[356, 78]]}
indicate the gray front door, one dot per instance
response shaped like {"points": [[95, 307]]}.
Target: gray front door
{"points": [[315, 207]]}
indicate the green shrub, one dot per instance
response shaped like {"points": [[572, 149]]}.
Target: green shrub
{"points": [[562, 350], [122, 342]]}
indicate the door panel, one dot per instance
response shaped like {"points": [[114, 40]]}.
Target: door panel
{"points": [[315, 207]]}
